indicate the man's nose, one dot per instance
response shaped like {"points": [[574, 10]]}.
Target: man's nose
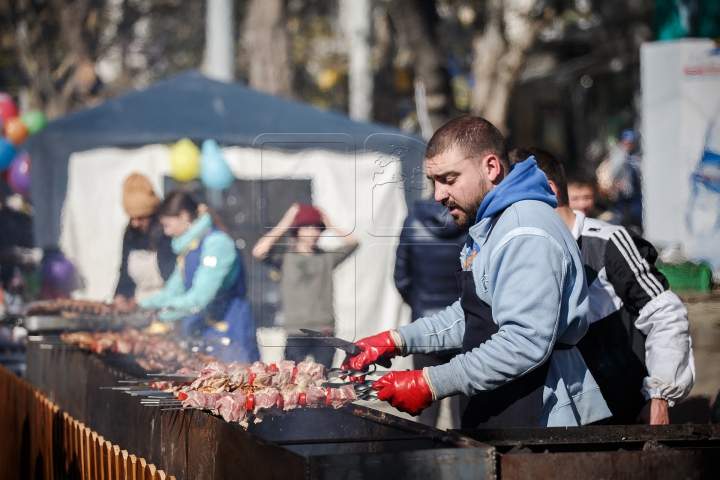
{"points": [[440, 193]]}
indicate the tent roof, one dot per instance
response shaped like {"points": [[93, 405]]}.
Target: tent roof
{"points": [[193, 106]]}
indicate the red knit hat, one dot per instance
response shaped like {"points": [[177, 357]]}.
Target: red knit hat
{"points": [[308, 215]]}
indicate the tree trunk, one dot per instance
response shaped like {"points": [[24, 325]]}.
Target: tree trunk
{"points": [[385, 108], [357, 19], [499, 51], [266, 41], [416, 20]]}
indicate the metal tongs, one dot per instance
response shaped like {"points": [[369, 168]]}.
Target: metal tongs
{"points": [[361, 381], [348, 347]]}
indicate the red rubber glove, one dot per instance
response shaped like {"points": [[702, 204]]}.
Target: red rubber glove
{"points": [[380, 345], [406, 391]]}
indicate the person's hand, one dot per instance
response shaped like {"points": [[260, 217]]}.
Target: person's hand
{"points": [[287, 220], [406, 391], [325, 218], [655, 412], [380, 345], [125, 305], [265, 244], [132, 304]]}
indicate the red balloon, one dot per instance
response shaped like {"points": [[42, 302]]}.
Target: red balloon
{"points": [[8, 109]]}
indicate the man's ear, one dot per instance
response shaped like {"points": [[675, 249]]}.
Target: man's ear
{"points": [[494, 168], [554, 187]]}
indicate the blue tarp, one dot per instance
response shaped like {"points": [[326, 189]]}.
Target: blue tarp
{"points": [[193, 106]]}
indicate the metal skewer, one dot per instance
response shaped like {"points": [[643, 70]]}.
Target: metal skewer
{"points": [[143, 393], [124, 388], [185, 408]]}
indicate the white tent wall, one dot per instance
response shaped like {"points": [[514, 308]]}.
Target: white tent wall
{"points": [[362, 193], [681, 124]]}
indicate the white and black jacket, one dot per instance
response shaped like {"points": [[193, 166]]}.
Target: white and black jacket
{"points": [[639, 335]]}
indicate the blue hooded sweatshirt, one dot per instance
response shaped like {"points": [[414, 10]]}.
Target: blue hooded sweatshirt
{"points": [[525, 182], [531, 273]]}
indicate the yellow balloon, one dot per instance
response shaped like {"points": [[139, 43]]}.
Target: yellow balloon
{"points": [[185, 160]]}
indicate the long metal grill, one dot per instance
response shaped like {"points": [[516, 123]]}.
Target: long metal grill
{"points": [[40, 441]]}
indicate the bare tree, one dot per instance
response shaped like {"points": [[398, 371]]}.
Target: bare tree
{"points": [[74, 53], [265, 40], [53, 43], [385, 108], [500, 48], [416, 21]]}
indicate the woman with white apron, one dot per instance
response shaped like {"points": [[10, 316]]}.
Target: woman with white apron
{"points": [[147, 257]]}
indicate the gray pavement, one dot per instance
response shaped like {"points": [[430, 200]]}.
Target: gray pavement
{"points": [[704, 317]]}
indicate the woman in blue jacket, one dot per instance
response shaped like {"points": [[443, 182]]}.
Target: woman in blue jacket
{"points": [[207, 288]]}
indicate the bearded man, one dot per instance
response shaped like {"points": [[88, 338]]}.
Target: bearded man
{"points": [[523, 301]]}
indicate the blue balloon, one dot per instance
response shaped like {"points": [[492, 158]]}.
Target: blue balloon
{"points": [[7, 153], [214, 172]]}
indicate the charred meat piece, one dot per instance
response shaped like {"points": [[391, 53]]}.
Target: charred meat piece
{"points": [[196, 398], [150, 365], [239, 375], [337, 397], [81, 339], [215, 367], [291, 397], [211, 381], [232, 406], [315, 370], [122, 346], [154, 353], [265, 399], [79, 307], [286, 366], [102, 345], [259, 368], [315, 396], [280, 379]]}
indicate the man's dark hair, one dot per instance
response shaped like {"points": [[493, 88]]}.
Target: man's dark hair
{"points": [[474, 136], [548, 163], [518, 155], [581, 179]]}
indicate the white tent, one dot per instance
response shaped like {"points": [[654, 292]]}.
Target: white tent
{"points": [[362, 192]]}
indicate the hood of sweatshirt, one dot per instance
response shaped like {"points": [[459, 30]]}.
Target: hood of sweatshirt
{"points": [[436, 218], [525, 182]]}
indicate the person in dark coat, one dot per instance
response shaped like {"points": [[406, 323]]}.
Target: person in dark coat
{"points": [[147, 257], [425, 266], [16, 237]]}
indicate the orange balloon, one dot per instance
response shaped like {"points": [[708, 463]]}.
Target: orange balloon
{"points": [[15, 131]]}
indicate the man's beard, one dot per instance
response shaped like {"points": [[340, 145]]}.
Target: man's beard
{"points": [[466, 214]]}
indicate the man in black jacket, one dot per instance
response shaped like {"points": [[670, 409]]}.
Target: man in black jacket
{"points": [[638, 346], [425, 266]]}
